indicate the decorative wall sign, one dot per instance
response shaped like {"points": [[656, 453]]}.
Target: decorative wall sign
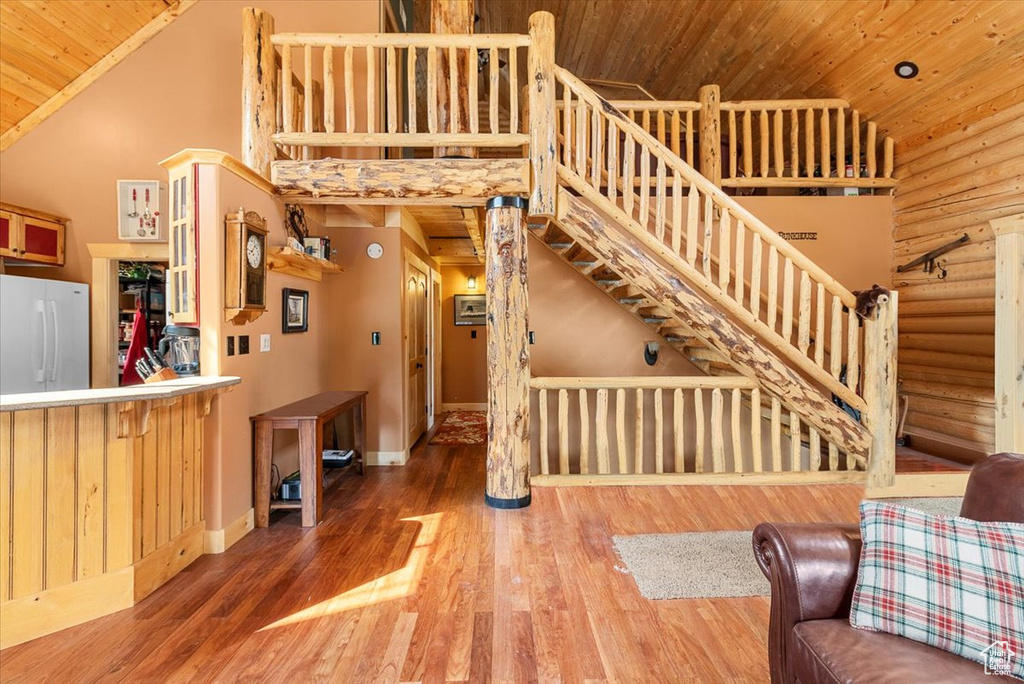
{"points": [[796, 237]]}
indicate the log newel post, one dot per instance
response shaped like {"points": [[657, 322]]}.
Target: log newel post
{"points": [[880, 340], [453, 16], [543, 145], [259, 91], [710, 133], [1009, 232], [508, 356]]}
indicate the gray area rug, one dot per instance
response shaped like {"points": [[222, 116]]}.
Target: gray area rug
{"points": [[714, 564], [692, 565]]}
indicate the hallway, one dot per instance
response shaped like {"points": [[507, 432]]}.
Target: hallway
{"points": [[411, 578]]}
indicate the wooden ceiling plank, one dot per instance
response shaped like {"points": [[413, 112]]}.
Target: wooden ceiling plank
{"points": [[962, 40], [11, 135], [33, 37], [807, 46], [84, 22], [17, 81], [32, 60], [1009, 104]]}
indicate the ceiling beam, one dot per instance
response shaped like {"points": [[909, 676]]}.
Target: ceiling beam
{"points": [[108, 62]]}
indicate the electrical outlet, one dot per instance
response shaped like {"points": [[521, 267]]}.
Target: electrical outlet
{"points": [[265, 342], [243, 344], [231, 345], [472, 334]]}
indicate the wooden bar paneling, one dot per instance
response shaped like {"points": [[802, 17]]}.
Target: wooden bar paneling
{"points": [[89, 491]]}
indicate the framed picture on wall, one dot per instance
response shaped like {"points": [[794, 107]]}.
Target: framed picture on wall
{"points": [[470, 309], [294, 310]]}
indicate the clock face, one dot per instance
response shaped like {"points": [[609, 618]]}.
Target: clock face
{"points": [[254, 251]]}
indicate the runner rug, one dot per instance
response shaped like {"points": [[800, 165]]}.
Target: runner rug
{"points": [[462, 427]]}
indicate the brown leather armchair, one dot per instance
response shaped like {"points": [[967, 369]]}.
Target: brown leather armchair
{"points": [[813, 571]]}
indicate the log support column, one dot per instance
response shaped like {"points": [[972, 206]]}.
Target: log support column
{"points": [[541, 119], [880, 343], [1009, 333], [711, 133], [259, 91], [508, 356]]}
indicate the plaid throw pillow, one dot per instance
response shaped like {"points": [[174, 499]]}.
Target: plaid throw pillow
{"points": [[951, 583]]}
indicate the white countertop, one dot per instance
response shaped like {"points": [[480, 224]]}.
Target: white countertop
{"points": [[111, 395]]}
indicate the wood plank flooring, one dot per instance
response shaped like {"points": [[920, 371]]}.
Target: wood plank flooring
{"points": [[411, 578]]}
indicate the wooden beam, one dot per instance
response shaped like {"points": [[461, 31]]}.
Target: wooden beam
{"points": [[259, 90], [749, 354], [400, 181], [541, 117], [475, 226], [452, 16], [452, 248], [112, 59], [508, 356], [372, 214], [1009, 333]]}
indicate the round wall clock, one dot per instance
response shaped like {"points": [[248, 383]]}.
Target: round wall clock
{"points": [[374, 250]]}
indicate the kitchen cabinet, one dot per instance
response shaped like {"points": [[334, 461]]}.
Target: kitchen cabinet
{"points": [[32, 236]]}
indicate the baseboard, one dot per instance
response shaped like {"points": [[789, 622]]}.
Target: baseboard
{"points": [[921, 484], [447, 408], [167, 561], [219, 541], [386, 458], [31, 617]]}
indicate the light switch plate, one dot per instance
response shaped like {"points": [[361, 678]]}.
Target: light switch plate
{"points": [[265, 342]]}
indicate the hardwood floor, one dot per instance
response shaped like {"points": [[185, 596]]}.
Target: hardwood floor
{"points": [[411, 578]]}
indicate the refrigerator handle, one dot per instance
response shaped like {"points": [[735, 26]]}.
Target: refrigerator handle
{"points": [[41, 310], [56, 340]]}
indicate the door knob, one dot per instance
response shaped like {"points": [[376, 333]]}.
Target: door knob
{"points": [[419, 365]]}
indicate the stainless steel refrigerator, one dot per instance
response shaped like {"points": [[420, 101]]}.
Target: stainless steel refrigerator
{"points": [[44, 335]]}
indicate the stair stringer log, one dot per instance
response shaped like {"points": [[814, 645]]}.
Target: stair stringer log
{"points": [[748, 355]]}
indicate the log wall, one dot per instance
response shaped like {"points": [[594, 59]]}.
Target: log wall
{"points": [[953, 181]]}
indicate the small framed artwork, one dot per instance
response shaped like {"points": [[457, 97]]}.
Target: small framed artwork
{"points": [[470, 309], [139, 207], [295, 310]]}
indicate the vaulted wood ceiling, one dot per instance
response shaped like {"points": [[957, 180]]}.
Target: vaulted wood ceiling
{"points": [[46, 48], [970, 54]]}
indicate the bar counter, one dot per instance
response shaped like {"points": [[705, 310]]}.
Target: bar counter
{"points": [[101, 499]]}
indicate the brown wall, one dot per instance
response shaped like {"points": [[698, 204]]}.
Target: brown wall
{"points": [[953, 181], [181, 89], [463, 359]]}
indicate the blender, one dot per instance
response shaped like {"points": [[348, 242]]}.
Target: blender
{"points": [[180, 349]]}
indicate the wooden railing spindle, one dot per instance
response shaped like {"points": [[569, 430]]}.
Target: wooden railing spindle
{"points": [[601, 426], [737, 443], [717, 439], [638, 432], [755, 276], [584, 433], [473, 88], [765, 140], [724, 237], [809, 143], [780, 151], [350, 96], [795, 460], [645, 186], [563, 431], [748, 146], [814, 448], [371, 95], [871, 149], [852, 348], [787, 300], [836, 351], [698, 430], [755, 430], [678, 432], [620, 430], [776, 435], [826, 145], [741, 241], [689, 138], [819, 328], [513, 80], [410, 68], [287, 101], [773, 286], [542, 405], [392, 85], [493, 96], [677, 212], [659, 430], [432, 89], [659, 202], [804, 328], [855, 144], [794, 143], [732, 144], [329, 89], [692, 219]]}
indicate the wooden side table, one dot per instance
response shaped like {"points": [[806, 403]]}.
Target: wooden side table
{"points": [[308, 416]]}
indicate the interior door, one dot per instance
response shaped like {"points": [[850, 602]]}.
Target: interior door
{"points": [[416, 350]]}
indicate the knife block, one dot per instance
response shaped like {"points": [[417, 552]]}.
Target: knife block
{"points": [[161, 375]]}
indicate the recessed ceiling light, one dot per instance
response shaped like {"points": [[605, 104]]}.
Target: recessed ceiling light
{"points": [[906, 70]]}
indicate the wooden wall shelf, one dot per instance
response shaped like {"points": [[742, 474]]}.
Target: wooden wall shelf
{"points": [[291, 262]]}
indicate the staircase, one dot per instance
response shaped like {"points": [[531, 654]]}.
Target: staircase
{"points": [[775, 334]]}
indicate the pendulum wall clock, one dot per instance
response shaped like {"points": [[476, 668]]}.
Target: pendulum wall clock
{"points": [[245, 266]]}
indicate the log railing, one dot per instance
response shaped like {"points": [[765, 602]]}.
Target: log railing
{"points": [[602, 154], [803, 143], [390, 117], [653, 426]]}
